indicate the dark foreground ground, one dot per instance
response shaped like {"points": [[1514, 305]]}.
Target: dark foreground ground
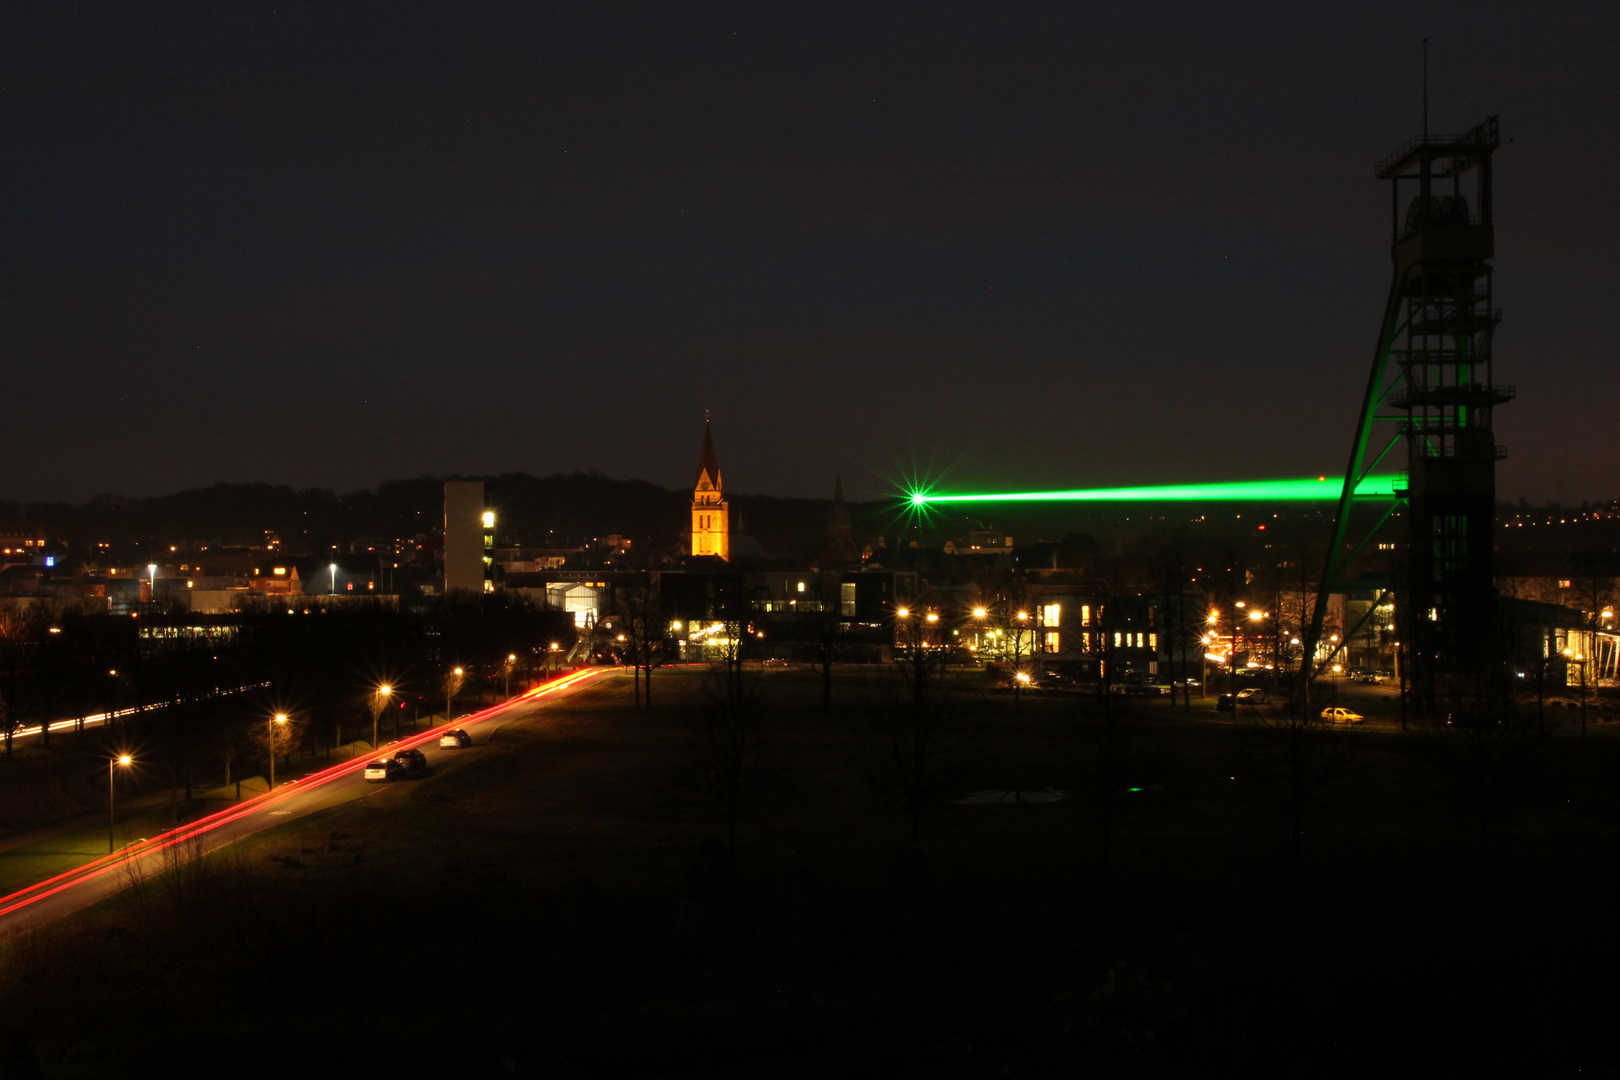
{"points": [[548, 907]]}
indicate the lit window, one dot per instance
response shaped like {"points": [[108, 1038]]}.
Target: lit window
{"points": [[489, 519], [1085, 614], [1050, 614], [1138, 641], [1153, 641], [1116, 639], [1052, 642]]}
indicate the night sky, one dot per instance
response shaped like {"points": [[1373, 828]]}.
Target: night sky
{"points": [[1058, 245]]}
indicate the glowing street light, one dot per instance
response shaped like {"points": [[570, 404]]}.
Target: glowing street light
{"points": [[270, 728], [933, 616], [903, 612], [112, 814], [379, 702], [1213, 617], [979, 613]]}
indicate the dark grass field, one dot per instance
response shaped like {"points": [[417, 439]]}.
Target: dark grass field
{"points": [[546, 906]]}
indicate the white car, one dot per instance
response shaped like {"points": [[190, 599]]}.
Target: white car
{"points": [[1342, 716], [455, 739]]}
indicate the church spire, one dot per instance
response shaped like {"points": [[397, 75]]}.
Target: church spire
{"points": [[711, 515], [708, 463], [839, 527]]}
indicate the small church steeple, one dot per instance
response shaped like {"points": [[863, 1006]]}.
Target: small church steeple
{"points": [[840, 532], [711, 516]]}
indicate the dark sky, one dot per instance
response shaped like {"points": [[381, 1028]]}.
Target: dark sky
{"points": [[1055, 245]]}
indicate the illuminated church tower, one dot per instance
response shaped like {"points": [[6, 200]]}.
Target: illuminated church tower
{"points": [[711, 518]]}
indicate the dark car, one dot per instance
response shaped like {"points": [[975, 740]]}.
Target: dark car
{"points": [[1051, 680], [455, 739], [1252, 696], [1137, 689], [413, 761], [384, 769]]}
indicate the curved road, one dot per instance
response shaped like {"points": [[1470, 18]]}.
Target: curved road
{"points": [[70, 891]]}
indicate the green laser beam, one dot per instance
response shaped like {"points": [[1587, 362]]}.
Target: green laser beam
{"points": [[1312, 489]]}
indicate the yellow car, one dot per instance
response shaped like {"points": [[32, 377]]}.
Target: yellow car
{"points": [[1342, 716]]}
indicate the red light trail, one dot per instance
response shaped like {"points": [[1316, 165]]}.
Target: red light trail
{"points": [[191, 830]]}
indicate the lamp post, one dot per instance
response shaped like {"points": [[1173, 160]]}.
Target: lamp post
{"points": [[270, 730], [506, 671], [112, 813], [550, 654], [451, 686], [379, 702]]}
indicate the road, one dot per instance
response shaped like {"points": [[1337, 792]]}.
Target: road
{"points": [[78, 723], [85, 885]]}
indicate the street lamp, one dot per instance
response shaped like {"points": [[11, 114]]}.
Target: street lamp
{"points": [[506, 671], [112, 814], [552, 652], [270, 729], [379, 702], [452, 686]]}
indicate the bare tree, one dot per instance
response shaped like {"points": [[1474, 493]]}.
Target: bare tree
{"points": [[1594, 596], [451, 683], [1487, 764], [645, 628], [730, 765], [911, 741], [1107, 745], [828, 644], [278, 740], [376, 702], [1007, 612], [1299, 758]]}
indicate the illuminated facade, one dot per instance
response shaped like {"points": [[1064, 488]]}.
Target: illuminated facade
{"points": [[711, 516]]}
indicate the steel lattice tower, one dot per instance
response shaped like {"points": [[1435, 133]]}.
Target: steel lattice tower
{"points": [[1437, 397]]}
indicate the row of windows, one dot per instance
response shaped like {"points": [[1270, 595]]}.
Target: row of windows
{"points": [[1052, 641]]}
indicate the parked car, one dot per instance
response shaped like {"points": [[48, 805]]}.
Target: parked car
{"points": [[1252, 696], [413, 761], [385, 769], [1136, 689], [1336, 715], [1051, 680], [455, 739]]}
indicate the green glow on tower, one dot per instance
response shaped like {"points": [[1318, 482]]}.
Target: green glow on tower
{"points": [[1317, 489]]}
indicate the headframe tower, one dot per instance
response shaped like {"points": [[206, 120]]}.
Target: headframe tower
{"points": [[1432, 387]]}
